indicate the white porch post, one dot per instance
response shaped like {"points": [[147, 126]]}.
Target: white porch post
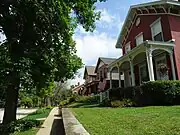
{"points": [[150, 64], [119, 77], [110, 79], [132, 72], [172, 65]]}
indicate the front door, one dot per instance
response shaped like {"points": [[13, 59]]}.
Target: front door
{"points": [[143, 73], [161, 68]]}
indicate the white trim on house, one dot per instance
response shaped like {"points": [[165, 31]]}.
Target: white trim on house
{"points": [[148, 5]]}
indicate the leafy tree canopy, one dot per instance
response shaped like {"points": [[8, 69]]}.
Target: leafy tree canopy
{"points": [[39, 47]]}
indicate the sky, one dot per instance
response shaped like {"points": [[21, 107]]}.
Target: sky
{"points": [[101, 43]]}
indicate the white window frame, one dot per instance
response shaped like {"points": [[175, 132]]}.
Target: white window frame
{"points": [[129, 44], [140, 34], [156, 61], [156, 21]]}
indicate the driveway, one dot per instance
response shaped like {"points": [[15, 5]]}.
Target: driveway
{"points": [[21, 112]]}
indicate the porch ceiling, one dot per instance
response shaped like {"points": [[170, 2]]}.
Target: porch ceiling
{"points": [[142, 49]]}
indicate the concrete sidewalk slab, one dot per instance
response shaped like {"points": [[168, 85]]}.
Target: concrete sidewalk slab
{"points": [[71, 125], [52, 125]]}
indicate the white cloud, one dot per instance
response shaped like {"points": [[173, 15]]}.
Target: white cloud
{"points": [[92, 46], [106, 17]]}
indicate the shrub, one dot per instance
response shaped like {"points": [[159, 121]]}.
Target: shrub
{"points": [[158, 93], [39, 111], [150, 93], [49, 107], [87, 99], [105, 103], [19, 125], [116, 103]]}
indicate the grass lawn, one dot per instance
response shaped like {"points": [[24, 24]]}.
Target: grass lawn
{"points": [[130, 121], [35, 115], [40, 114], [32, 131]]}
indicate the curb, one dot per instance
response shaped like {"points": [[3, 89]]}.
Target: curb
{"points": [[71, 125]]}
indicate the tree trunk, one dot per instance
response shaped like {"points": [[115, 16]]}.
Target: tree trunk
{"points": [[10, 105], [11, 99]]}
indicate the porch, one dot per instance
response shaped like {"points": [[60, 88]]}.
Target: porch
{"points": [[149, 61]]}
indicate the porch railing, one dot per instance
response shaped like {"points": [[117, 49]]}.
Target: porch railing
{"points": [[104, 95]]}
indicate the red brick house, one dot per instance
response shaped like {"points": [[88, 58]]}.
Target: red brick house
{"points": [[90, 84], [150, 40], [103, 76]]}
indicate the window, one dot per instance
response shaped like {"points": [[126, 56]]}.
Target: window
{"points": [[101, 74], [105, 72], [156, 31], [139, 39], [97, 76], [127, 47]]}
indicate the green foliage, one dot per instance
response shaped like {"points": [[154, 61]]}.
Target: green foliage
{"points": [[105, 103], [39, 47], [151, 93], [41, 111], [123, 103], [26, 102], [19, 125], [67, 101], [49, 107], [87, 99]]}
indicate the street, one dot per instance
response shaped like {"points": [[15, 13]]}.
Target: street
{"points": [[21, 112]]}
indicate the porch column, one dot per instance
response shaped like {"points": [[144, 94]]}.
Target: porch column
{"points": [[172, 65], [119, 77], [132, 72], [110, 79], [150, 64]]}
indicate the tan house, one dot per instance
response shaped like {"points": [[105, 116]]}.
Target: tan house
{"points": [[78, 89], [90, 83]]}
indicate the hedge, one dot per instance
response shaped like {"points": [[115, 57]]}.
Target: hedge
{"points": [[150, 93]]}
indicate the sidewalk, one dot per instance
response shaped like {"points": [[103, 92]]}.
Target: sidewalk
{"points": [[53, 125]]}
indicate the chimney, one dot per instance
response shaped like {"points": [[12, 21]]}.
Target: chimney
{"points": [[78, 83]]}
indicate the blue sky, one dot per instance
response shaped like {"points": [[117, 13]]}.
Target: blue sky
{"points": [[101, 43]]}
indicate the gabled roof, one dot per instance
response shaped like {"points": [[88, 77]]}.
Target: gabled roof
{"points": [[106, 61], [90, 71], [77, 88], [132, 13]]}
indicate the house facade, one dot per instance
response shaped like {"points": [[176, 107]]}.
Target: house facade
{"points": [[103, 75], [78, 89], [150, 40], [90, 84]]}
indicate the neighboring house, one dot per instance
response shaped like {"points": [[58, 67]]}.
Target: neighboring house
{"points": [[90, 83], [103, 76], [78, 89], [150, 40]]}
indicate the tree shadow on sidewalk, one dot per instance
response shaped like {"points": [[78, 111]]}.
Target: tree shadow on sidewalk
{"points": [[57, 126]]}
